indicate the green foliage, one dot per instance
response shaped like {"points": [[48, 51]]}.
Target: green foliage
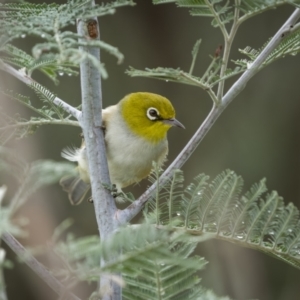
{"points": [[48, 66], [217, 209], [31, 177], [222, 11], [251, 8], [228, 16], [288, 46], [59, 52], [18, 127], [47, 97], [168, 74], [154, 262], [163, 207], [155, 259]]}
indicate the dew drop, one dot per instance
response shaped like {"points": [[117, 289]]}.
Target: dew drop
{"points": [[178, 214], [290, 230], [43, 35], [2, 255], [199, 193], [271, 233], [23, 35], [167, 80], [60, 73], [236, 205], [240, 236], [69, 74]]}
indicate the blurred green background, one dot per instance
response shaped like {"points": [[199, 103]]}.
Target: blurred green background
{"points": [[257, 136]]}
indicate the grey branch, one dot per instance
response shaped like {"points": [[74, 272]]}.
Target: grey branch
{"points": [[37, 267], [104, 203], [40, 123], [124, 216], [19, 74]]}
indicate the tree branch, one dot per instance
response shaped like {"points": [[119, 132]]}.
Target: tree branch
{"points": [[28, 80], [104, 203], [227, 49], [37, 267], [40, 123], [124, 216]]}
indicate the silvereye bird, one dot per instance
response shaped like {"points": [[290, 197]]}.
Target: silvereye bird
{"points": [[135, 137]]}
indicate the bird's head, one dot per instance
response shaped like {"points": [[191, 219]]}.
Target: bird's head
{"points": [[148, 115]]}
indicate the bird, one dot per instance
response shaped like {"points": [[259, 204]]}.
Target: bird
{"points": [[135, 133]]}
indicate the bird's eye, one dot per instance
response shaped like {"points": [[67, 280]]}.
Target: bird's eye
{"points": [[152, 113]]}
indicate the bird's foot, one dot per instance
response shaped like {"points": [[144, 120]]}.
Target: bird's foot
{"points": [[113, 190]]}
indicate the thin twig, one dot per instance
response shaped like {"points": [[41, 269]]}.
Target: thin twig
{"points": [[37, 267], [28, 80], [206, 73], [124, 216], [227, 48], [201, 85], [194, 56], [217, 18], [40, 123]]}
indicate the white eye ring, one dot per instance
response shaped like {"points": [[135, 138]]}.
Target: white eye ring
{"points": [[152, 113]]}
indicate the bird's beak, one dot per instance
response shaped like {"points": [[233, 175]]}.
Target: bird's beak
{"points": [[174, 122]]}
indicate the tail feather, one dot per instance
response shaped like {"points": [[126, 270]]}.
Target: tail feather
{"points": [[75, 187]]}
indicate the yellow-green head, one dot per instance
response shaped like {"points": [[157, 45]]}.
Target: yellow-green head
{"points": [[148, 115]]}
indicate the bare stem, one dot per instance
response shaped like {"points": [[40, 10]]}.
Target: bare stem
{"points": [[124, 216], [37, 267]]}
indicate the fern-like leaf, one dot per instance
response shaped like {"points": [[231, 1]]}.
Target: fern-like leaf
{"points": [[154, 263], [288, 46], [190, 200], [219, 209], [169, 74], [47, 97], [251, 8], [58, 53]]}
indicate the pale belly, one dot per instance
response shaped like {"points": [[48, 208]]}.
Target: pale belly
{"points": [[130, 162]]}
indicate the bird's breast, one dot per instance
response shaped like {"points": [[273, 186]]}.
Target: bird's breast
{"points": [[130, 157]]}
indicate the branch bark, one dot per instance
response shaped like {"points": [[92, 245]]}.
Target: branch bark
{"points": [[37, 267], [124, 216], [104, 203]]}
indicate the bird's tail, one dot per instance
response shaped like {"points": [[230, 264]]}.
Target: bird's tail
{"points": [[75, 187]]}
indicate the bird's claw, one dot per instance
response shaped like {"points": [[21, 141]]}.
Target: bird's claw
{"points": [[113, 190]]}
